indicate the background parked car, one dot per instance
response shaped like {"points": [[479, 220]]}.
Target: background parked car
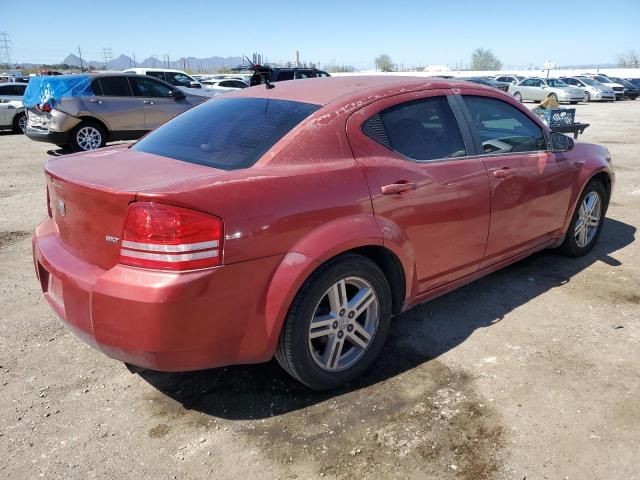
{"points": [[225, 83], [631, 92], [633, 81], [537, 89], [510, 79], [594, 91], [12, 91], [603, 79], [489, 82], [262, 73], [90, 110], [179, 79], [12, 116]]}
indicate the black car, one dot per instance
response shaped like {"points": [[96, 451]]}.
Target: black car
{"points": [[631, 91], [264, 74], [504, 86], [634, 81]]}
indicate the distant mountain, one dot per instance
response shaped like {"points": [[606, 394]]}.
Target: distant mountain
{"points": [[190, 63]]}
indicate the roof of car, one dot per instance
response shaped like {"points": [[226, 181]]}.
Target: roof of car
{"points": [[323, 91], [149, 69]]}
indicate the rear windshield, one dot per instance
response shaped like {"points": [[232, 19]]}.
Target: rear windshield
{"points": [[226, 133]]}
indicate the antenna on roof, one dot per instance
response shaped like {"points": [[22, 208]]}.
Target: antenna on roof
{"points": [[260, 70]]}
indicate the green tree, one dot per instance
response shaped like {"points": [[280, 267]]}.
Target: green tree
{"points": [[484, 59], [384, 63]]}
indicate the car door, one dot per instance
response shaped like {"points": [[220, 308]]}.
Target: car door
{"points": [[157, 99], [4, 113], [427, 194], [526, 89], [531, 187], [114, 104]]}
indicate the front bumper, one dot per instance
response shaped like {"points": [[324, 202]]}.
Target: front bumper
{"points": [[159, 320], [47, 136]]}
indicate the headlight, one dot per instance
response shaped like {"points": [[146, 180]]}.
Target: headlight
{"points": [[607, 155]]}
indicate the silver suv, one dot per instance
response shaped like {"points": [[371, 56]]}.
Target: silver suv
{"points": [[84, 112]]}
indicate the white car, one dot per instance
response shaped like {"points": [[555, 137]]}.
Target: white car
{"points": [[618, 89], [537, 89], [595, 91], [231, 83], [12, 116], [512, 79], [180, 79], [12, 91]]}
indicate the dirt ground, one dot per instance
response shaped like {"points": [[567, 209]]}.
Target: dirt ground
{"points": [[530, 373]]}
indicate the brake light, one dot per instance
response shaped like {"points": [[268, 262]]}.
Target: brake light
{"points": [[44, 107], [170, 238]]}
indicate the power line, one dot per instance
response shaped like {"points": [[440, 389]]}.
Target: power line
{"points": [[108, 56]]}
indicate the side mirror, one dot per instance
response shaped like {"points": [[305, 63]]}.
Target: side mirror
{"points": [[560, 142], [195, 85], [178, 94]]}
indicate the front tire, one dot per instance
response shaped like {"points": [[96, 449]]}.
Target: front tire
{"points": [[587, 220], [20, 123], [518, 96], [87, 136], [337, 323], [554, 96]]}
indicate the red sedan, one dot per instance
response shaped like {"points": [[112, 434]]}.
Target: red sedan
{"points": [[296, 221]]}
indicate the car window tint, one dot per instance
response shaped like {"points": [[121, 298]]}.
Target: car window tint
{"points": [[115, 87], [226, 133], [285, 75], [159, 75], [96, 88], [527, 83], [420, 130], [502, 127], [148, 87], [179, 79]]}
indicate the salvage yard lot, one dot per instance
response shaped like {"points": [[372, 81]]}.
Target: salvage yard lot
{"points": [[532, 372]]}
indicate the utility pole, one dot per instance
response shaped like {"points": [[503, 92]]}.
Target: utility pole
{"points": [[5, 48], [108, 56], [133, 57], [80, 55], [165, 60]]}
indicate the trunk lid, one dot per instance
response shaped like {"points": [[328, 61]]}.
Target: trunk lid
{"points": [[89, 195]]}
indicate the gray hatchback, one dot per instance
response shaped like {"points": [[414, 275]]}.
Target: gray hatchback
{"points": [[84, 112]]}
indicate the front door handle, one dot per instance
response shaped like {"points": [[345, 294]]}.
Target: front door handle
{"points": [[95, 100], [149, 102], [504, 172], [399, 187]]}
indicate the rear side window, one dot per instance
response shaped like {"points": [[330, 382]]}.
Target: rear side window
{"points": [[285, 75], [502, 127], [159, 75], [115, 87], [226, 133], [420, 130]]}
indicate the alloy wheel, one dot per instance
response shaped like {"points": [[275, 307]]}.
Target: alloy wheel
{"points": [[89, 138], [344, 324], [22, 123], [588, 219]]}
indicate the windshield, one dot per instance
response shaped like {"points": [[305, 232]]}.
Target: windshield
{"points": [[602, 79], [554, 82], [589, 81], [226, 133]]}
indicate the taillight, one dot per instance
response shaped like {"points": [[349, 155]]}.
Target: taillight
{"points": [[44, 107], [170, 238]]}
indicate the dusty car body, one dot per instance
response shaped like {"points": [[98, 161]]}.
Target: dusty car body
{"points": [[348, 200]]}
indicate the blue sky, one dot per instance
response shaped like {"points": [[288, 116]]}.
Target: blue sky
{"points": [[347, 32]]}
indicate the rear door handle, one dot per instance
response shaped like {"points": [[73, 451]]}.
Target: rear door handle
{"points": [[504, 172], [148, 102], [398, 188]]}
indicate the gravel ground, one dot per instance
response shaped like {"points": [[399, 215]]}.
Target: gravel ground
{"points": [[532, 372]]}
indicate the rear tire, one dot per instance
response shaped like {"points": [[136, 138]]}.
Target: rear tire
{"points": [[573, 103], [87, 136], [554, 96], [20, 122], [588, 97], [349, 302], [587, 220]]}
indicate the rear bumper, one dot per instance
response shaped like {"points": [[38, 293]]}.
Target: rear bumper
{"points": [[47, 136], [159, 320]]}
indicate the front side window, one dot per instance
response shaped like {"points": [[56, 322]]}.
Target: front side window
{"points": [[179, 79], [528, 83], [420, 130], [554, 82], [226, 133], [502, 128], [115, 87], [147, 87]]}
